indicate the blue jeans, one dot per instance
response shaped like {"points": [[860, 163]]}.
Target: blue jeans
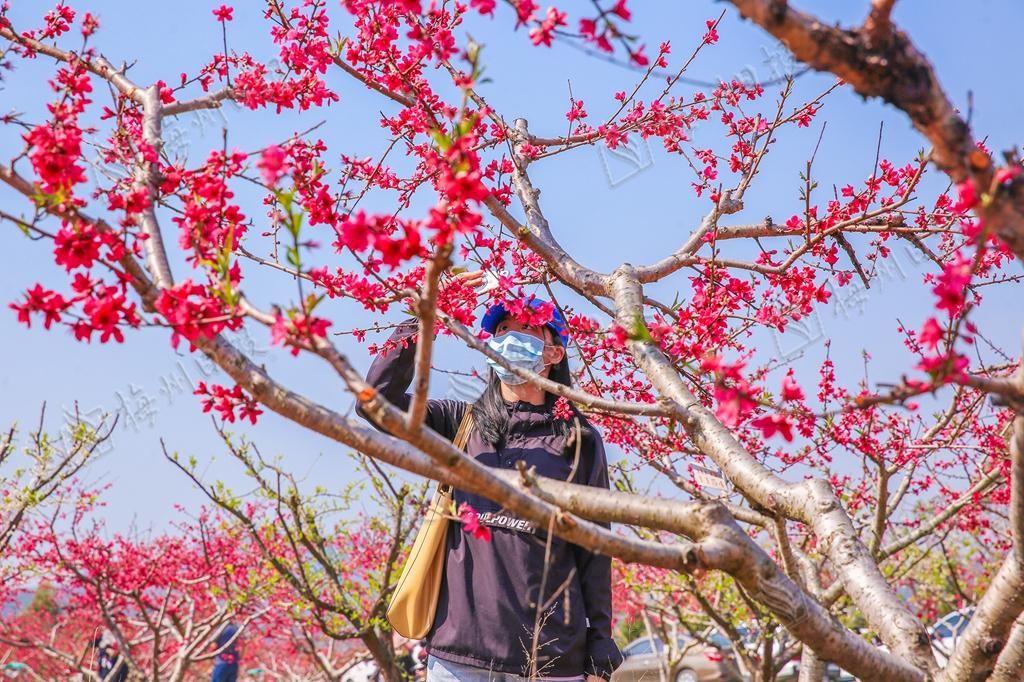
{"points": [[446, 671]]}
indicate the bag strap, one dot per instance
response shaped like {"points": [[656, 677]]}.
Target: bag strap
{"points": [[465, 427], [575, 440], [460, 440]]}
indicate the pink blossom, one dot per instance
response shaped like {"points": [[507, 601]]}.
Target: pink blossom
{"points": [[621, 10], [771, 424], [224, 13], [790, 389], [952, 284], [931, 333], [272, 164], [471, 523], [483, 6]]}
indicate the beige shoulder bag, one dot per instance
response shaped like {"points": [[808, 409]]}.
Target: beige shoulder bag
{"points": [[412, 607]]}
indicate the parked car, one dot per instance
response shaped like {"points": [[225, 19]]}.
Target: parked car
{"points": [[945, 633], [790, 670], [647, 659], [833, 673]]}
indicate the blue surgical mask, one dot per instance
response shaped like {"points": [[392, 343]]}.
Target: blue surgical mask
{"points": [[519, 350]]}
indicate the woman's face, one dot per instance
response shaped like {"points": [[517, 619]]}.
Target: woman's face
{"points": [[553, 351]]}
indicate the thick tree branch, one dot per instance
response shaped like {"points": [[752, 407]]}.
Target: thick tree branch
{"points": [[895, 71], [736, 553], [811, 502], [147, 177], [537, 232], [1010, 666]]}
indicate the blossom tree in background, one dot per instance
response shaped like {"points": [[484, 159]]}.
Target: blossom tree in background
{"points": [[157, 603], [159, 242], [339, 562], [42, 474], [307, 655]]}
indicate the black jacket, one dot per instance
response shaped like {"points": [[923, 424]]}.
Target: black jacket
{"points": [[487, 609]]}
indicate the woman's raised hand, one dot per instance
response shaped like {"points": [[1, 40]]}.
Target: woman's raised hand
{"points": [[470, 278]]}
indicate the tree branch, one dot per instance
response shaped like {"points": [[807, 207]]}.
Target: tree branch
{"points": [[878, 25], [723, 545], [811, 502], [146, 176], [537, 232], [213, 100], [1010, 665], [426, 306], [98, 65], [896, 71]]}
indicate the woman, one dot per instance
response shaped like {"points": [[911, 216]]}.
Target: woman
{"points": [[490, 605]]}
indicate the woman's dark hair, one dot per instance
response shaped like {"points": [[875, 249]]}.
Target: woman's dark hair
{"points": [[491, 413]]}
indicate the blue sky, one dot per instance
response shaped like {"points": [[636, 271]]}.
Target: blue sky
{"points": [[605, 211]]}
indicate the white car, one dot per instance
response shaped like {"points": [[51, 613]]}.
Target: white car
{"points": [[946, 632]]}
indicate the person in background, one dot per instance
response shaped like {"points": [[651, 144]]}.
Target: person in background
{"points": [[225, 668], [110, 666], [419, 657]]}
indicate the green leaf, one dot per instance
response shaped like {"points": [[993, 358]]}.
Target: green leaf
{"points": [[24, 228], [295, 223], [441, 139], [286, 198], [639, 332]]}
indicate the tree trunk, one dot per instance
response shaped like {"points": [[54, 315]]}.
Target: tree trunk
{"points": [[383, 651], [812, 668]]}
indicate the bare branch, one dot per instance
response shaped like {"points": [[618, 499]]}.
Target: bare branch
{"points": [[427, 308], [213, 100]]}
